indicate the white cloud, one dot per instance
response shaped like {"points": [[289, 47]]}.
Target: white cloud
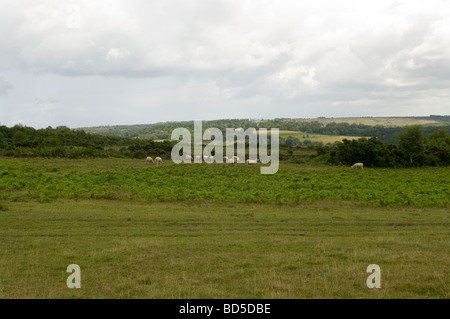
{"points": [[116, 54]]}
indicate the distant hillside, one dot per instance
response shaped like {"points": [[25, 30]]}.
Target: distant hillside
{"points": [[386, 121], [385, 128]]}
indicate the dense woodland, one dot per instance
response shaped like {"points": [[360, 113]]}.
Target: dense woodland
{"points": [[402, 147]]}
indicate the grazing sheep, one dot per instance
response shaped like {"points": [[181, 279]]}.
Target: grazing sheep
{"points": [[150, 160], [231, 161], [360, 165], [251, 161], [158, 160]]}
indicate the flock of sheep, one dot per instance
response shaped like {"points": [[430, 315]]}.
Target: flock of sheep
{"points": [[230, 161], [209, 159], [158, 160]]}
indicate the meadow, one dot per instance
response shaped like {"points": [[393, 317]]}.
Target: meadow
{"points": [[214, 231]]}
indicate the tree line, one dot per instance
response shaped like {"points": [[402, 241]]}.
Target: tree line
{"points": [[22, 141], [412, 149]]}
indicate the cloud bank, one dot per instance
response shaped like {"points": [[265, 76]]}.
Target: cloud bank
{"points": [[124, 62]]}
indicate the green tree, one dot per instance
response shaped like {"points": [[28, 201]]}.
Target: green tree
{"points": [[438, 147], [411, 142], [20, 139], [292, 141], [53, 141]]}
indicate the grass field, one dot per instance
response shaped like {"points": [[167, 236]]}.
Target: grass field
{"points": [[213, 231]]}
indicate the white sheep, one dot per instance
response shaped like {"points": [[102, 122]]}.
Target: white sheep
{"points": [[360, 165], [150, 160], [251, 161], [158, 160], [231, 161]]}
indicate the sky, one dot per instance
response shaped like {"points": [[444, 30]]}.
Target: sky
{"points": [[111, 62]]}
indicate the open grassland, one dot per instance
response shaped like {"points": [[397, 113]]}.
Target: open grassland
{"points": [[161, 250], [214, 231]]}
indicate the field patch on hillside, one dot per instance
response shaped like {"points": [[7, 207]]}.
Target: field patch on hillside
{"points": [[372, 121], [316, 138]]}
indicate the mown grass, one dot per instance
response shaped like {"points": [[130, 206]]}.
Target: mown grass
{"points": [[175, 250], [120, 179]]}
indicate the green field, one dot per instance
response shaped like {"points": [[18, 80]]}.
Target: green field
{"points": [[315, 138], [215, 231], [47, 180]]}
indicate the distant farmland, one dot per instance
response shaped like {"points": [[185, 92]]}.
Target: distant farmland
{"points": [[326, 130], [383, 121], [316, 138]]}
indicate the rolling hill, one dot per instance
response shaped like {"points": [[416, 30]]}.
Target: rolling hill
{"points": [[326, 130]]}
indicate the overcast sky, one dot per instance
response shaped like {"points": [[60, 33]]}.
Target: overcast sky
{"points": [[89, 63]]}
